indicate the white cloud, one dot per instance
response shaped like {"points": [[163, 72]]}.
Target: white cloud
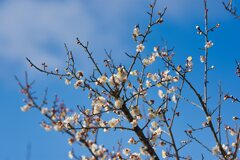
{"points": [[38, 29]]}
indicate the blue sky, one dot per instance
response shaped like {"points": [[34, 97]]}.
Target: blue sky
{"points": [[38, 29]]}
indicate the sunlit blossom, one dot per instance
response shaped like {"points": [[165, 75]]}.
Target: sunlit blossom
{"points": [[113, 122], [161, 94], [70, 154], [26, 107], [202, 59], [119, 103], [126, 151], [209, 44], [164, 154], [78, 83], [140, 48], [67, 81]]}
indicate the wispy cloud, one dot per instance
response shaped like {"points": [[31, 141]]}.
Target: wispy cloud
{"points": [[38, 29]]}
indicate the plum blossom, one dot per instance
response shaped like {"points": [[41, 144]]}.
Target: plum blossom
{"points": [[44, 110], [202, 59], [126, 151], [70, 154], [189, 63], [103, 79], [215, 150], [79, 74], [26, 107], [131, 141], [134, 123], [148, 83], [209, 44], [161, 94], [143, 150], [174, 98], [164, 154], [78, 83], [140, 48], [136, 32], [209, 118], [46, 126], [67, 81], [98, 103], [113, 122], [119, 103], [121, 74], [134, 73]]}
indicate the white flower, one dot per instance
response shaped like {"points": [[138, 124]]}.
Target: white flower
{"points": [[70, 141], [164, 54], [131, 141], [232, 132], [202, 59], [148, 83], [160, 94], [84, 158], [134, 73], [69, 73], [97, 104], [209, 44], [189, 58], [67, 81], [158, 131], [70, 154], [135, 156], [145, 62], [151, 115], [105, 130], [209, 118], [79, 74], [129, 86], [164, 154], [102, 79], [235, 118], [119, 103], [122, 74], [58, 126], [224, 147], [46, 126], [155, 77], [134, 123], [154, 124], [44, 110], [26, 107], [135, 111], [174, 99], [215, 150], [126, 151], [189, 63], [175, 79], [172, 89], [113, 122], [234, 144], [140, 48], [113, 80], [143, 150], [136, 32], [93, 147], [78, 83], [155, 49]]}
